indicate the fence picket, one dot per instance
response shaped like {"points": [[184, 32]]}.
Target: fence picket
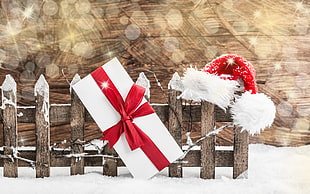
{"points": [[41, 92], [9, 126], [109, 163], [77, 121], [175, 122], [241, 149], [208, 145]]}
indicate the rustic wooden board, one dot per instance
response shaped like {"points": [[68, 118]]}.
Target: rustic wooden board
{"points": [[42, 129], [77, 121], [175, 125], [10, 132], [208, 145], [223, 158], [272, 35]]}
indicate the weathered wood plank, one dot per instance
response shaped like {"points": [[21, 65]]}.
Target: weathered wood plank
{"points": [[59, 158], [175, 127], [208, 145], [42, 128], [223, 158], [109, 164], [61, 113], [77, 121], [241, 153], [9, 126]]}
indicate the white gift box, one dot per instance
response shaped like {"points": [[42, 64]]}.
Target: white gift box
{"points": [[106, 116]]}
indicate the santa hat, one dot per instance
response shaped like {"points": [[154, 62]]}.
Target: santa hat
{"points": [[218, 82], [252, 111]]}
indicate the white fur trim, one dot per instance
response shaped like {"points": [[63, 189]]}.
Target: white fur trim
{"points": [[253, 112], [202, 86]]}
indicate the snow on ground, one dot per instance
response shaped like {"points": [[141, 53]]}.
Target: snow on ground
{"points": [[272, 170]]}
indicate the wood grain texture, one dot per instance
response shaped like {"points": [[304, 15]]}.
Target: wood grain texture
{"points": [[77, 121], [175, 127], [208, 145], [272, 35], [224, 158], [42, 135], [109, 164], [10, 134], [241, 152]]}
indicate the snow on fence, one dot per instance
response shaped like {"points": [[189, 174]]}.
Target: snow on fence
{"points": [[173, 114]]}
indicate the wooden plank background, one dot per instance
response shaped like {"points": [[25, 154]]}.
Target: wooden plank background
{"points": [[61, 38]]}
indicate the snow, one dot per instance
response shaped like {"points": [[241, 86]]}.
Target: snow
{"points": [[176, 83], [75, 80], [41, 88], [9, 84], [144, 82], [272, 170]]}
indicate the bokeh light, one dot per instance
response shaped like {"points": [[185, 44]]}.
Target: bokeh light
{"points": [[52, 70], [132, 32], [301, 124], [83, 49], [30, 66], [83, 6], [124, 20], [211, 25], [27, 77], [241, 27], [50, 7], [174, 18], [285, 109], [171, 44], [42, 60], [178, 56]]}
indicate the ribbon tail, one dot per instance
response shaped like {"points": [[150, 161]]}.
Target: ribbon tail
{"points": [[155, 155], [135, 137], [113, 134]]}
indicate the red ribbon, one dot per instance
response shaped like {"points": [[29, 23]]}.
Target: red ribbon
{"points": [[128, 111]]}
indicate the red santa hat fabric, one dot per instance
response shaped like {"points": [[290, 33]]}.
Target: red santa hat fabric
{"points": [[235, 67]]}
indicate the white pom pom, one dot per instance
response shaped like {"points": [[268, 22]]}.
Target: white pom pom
{"points": [[199, 85], [253, 112]]}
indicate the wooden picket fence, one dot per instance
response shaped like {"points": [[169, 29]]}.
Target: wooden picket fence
{"points": [[173, 114]]}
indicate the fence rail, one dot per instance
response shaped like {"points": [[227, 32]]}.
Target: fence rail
{"points": [[172, 114]]}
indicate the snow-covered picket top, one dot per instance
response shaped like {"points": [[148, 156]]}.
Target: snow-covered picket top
{"points": [[44, 156]]}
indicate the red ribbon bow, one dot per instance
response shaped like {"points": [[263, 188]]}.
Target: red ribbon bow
{"points": [[129, 110]]}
